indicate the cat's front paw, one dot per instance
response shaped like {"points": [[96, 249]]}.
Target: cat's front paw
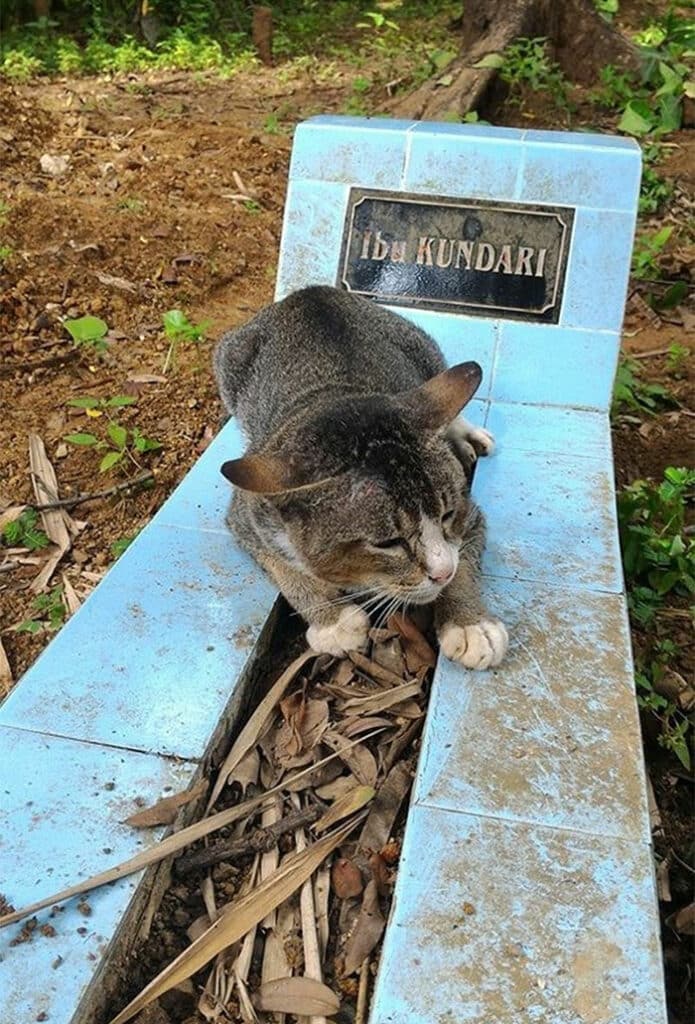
{"points": [[480, 645], [349, 633]]}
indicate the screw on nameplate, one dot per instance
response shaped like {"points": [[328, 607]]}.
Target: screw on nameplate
{"points": [[468, 256]]}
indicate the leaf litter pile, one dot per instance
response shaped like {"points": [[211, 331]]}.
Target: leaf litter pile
{"points": [[293, 878]]}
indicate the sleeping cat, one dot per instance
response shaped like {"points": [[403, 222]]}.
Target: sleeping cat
{"points": [[352, 495]]}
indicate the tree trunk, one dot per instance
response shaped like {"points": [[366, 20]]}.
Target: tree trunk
{"points": [[582, 41]]}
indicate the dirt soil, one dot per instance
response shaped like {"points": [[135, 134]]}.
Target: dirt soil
{"points": [[147, 218]]}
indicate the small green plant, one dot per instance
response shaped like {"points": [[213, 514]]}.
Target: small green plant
{"points": [[676, 727], [180, 330], [676, 358], [48, 615], [251, 206], [607, 8], [654, 191], [658, 554], [525, 62], [19, 66], [630, 391], [88, 330], [271, 125], [24, 533], [120, 545], [117, 441], [6, 253], [648, 248], [130, 205], [377, 22]]}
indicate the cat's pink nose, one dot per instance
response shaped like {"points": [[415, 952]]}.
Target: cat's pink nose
{"points": [[442, 576]]}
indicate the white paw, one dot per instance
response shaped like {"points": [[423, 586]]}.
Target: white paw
{"points": [[481, 645], [349, 633], [482, 440]]}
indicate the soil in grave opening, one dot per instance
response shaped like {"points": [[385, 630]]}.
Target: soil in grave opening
{"points": [[329, 698]]}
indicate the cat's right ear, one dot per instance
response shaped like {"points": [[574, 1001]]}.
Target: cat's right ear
{"points": [[266, 474], [260, 474], [439, 401]]}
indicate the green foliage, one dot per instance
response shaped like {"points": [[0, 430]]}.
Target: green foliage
{"points": [[6, 253], [525, 62], [24, 533], [654, 191], [180, 330], [630, 391], [120, 545], [48, 615], [659, 559], [677, 358], [88, 330], [607, 8], [648, 248], [118, 442]]}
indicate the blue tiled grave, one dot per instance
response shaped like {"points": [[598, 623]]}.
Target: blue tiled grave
{"points": [[526, 890]]}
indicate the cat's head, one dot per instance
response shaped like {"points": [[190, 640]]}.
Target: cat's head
{"points": [[367, 491]]}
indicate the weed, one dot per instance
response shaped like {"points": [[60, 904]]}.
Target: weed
{"points": [[131, 205], [89, 331], [24, 533], [180, 330], [48, 615], [676, 358], [646, 253], [271, 125], [525, 62], [607, 8], [6, 253], [19, 66], [654, 191], [632, 392], [676, 727], [617, 88], [251, 206], [120, 545], [117, 441]]}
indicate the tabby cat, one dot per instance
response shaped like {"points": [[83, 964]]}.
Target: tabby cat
{"points": [[353, 493]]}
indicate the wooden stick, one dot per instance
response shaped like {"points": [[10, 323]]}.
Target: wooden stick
{"points": [[38, 364], [258, 841], [80, 499], [361, 1009]]}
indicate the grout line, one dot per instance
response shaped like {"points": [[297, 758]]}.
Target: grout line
{"points": [[103, 745]]}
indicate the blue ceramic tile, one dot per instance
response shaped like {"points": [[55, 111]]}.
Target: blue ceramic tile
{"points": [[471, 132], [550, 430], [201, 500], [442, 162], [551, 518], [500, 923], [362, 124], [372, 155], [311, 235], [552, 736], [460, 338], [607, 177], [550, 365], [598, 270], [61, 808], [595, 140], [154, 655]]}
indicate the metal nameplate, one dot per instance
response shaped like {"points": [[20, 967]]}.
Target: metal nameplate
{"points": [[478, 257]]}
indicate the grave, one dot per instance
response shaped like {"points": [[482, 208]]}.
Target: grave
{"points": [[525, 890]]}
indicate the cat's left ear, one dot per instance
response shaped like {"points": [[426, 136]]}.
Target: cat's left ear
{"points": [[267, 474], [439, 401]]}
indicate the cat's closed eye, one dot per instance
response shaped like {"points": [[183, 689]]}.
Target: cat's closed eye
{"points": [[392, 542], [448, 516]]}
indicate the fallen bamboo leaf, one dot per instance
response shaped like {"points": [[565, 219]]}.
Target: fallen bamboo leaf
{"points": [[346, 879], [383, 812], [684, 920], [337, 788], [353, 800], [303, 996], [238, 918], [367, 931], [374, 670], [168, 846], [115, 282], [356, 756], [418, 652], [380, 874], [383, 700], [247, 771], [165, 810], [146, 378], [322, 891], [248, 736], [354, 726], [361, 1007], [6, 679], [271, 858], [310, 938], [71, 599], [55, 521]]}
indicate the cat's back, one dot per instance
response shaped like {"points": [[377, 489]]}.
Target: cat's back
{"points": [[315, 344]]}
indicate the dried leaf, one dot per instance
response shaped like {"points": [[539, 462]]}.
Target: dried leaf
{"points": [[322, 891], [355, 726], [271, 858], [346, 879], [359, 760], [353, 800], [237, 919], [389, 654], [248, 736], [367, 931], [380, 874], [418, 652], [684, 920], [71, 599], [55, 521], [381, 701], [6, 680], [247, 771], [146, 378], [303, 996], [384, 810], [374, 670], [9, 515], [336, 788], [165, 810], [115, 282], [305, 722], [310, 939]]}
